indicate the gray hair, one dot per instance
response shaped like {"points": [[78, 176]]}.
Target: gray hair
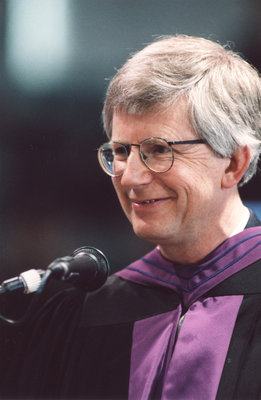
{"points": [[223, 92]]}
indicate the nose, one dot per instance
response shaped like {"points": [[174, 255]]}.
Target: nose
{"points": [[136, 173]]}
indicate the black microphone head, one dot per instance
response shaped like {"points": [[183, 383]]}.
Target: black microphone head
{"points": [[91, 269]]}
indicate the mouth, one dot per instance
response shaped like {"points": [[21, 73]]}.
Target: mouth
{"points": [[147, 202]]}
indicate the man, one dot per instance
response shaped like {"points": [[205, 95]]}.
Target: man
{"points": [[184, 322]]}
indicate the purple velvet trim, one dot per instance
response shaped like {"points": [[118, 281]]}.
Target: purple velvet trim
{"points": [[200, 352], [149, 350], [194, 369], [192, 281]]}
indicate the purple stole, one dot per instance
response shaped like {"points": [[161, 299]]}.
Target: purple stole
{"points": [[180, 354]]}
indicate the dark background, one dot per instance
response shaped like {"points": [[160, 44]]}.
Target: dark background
{"points": [[56, 59]]}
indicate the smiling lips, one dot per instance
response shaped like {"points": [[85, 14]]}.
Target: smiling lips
{"points": [[148, 201], [138, 203]]}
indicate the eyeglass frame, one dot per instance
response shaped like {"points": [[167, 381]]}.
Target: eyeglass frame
{"points": [[129, 145]]}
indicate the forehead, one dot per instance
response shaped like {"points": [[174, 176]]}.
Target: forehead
{"points": [[170, 124]]}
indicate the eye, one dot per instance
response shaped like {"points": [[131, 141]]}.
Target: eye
{"points": [[120, 151], [156, 149]]}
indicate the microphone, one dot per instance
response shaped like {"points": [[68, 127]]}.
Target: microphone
{"points": [[87, 269]]}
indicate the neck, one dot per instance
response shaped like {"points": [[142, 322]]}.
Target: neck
{"points": [[230, 221]]}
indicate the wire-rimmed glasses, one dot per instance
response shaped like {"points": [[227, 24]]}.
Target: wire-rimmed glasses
{"points": [[156, 153]]}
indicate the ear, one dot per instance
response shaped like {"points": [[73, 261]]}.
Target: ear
{"points": [[237, 167]]}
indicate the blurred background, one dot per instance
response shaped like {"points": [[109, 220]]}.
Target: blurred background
{"points": [[56, 59]]}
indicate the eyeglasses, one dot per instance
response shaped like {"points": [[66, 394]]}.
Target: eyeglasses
{"points": [[156, 153]]}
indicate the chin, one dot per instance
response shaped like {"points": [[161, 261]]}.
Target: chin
{"points": [[149, 234]]}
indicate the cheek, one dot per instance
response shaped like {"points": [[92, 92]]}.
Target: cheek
{"points": [[195, 187], [204, 174]]}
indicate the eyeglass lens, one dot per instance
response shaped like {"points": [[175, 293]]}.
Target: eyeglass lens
{"points": [[156, 154]]}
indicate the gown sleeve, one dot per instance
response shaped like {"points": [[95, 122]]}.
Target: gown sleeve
{"points": [[34, 353]]}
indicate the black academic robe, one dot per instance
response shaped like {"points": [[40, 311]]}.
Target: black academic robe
{"points": [[79, 346]]}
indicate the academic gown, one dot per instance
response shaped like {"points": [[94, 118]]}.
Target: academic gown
{"points": [[155, 330]]}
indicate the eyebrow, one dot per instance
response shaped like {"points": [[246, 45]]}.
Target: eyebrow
{"points": [[192, 141]]}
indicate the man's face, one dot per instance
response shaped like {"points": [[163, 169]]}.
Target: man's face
{"points": [[188, 198]]}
